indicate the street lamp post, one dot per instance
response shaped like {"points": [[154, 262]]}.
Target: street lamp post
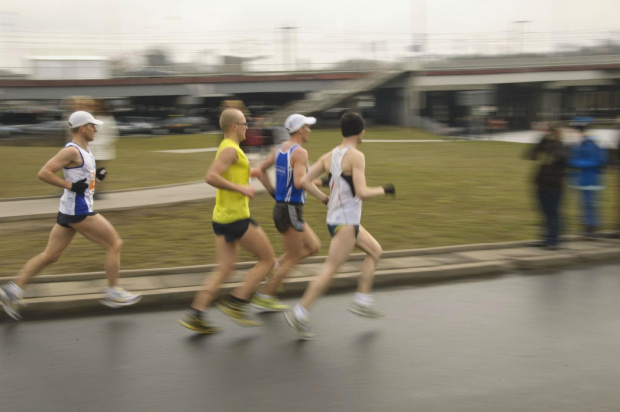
{"points": [[520, 30]]}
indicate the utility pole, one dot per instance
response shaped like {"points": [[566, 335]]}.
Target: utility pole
{"points": [[418, 26], [520, 30], [7, 24], [289, 47]]}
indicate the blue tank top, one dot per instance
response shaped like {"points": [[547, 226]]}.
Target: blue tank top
{"points": [[285, 187]]}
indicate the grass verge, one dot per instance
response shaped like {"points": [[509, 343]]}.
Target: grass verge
{"points": [[447, 193]]}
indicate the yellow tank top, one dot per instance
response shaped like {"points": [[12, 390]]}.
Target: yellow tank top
{"points": [[232, 206]]}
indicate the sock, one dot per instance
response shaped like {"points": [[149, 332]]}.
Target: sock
{"points": [[112, 290], [364, 299], [263, 296], [301, 313], [237, 300], [15, 290], [195, 312]]}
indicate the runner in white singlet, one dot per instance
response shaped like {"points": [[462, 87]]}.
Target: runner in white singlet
{"points": [[347, 184], [75, 215]]}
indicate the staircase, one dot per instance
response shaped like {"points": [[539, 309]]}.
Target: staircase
{"points": [[327, 99]]}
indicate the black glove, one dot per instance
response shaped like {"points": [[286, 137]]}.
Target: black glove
{"points": [[101, 173], [389, 189], [80, 186]]}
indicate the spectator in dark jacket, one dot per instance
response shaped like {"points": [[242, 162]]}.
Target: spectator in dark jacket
{"points": [[551, 155]]}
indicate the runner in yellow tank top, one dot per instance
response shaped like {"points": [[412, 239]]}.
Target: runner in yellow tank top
{"points": [[231, 206], [230, 174]]}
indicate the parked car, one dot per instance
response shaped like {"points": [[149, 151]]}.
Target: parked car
{"points": [[51, 127], [183, 124], [128, 125], [262, 109], [6, 131]]}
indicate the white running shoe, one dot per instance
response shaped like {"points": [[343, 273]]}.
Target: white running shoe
{"points": [[10, 303], [119, 297], [299, 327], [366, 311]]}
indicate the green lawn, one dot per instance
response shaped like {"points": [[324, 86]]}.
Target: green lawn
{"points": [[446, 193]]}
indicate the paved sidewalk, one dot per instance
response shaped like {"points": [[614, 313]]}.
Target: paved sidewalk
{"points": [[51, 295], [28, 208]]}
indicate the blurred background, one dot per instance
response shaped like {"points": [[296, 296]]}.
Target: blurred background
{"points": [[449, 67], [489, 74]]}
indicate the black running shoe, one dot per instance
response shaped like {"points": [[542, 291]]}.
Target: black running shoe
{"points": [[236, 311], [198, 324]]}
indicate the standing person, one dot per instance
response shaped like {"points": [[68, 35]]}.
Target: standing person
{"points": [[76, 215], [230, 174], [589, 159], [104, 146], [549, 181], [347, 182], [616, 154], [300, 241]]}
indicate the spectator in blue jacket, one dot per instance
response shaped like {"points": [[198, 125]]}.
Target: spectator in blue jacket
{"points": [[589, 160]]}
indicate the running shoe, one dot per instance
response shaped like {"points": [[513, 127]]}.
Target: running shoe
{"points": [[300, 328], [198, 324], [119, 297], [236, 311], [367, 311], [10, 303], [269, 304]]}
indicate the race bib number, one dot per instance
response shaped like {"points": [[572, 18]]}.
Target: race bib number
{"points": [[91, 185]]}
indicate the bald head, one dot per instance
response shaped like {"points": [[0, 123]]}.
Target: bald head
{"points": [[228, 117]]}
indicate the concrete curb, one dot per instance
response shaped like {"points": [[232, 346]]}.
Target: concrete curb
{"points": [[246, 265], [294, 286], [62, 305]]}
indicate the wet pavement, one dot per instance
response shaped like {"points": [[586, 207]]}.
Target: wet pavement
{"points": [[526, 341]]}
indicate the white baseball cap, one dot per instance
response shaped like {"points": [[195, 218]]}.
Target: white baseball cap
{"points": [[296, 121], [81, 118]]}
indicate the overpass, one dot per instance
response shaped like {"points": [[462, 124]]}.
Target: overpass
{"points": [[521, 90]]}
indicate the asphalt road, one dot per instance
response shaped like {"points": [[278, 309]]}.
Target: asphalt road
{"points": [[517, 343]]}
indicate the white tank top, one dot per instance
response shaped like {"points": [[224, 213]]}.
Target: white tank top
{"points": [[72, 203], [344, 208]]}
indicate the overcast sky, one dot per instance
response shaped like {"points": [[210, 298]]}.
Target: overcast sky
{"points": [[325, 29]]}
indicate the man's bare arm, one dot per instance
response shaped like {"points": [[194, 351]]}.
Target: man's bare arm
{"points": [[67, 157], [268, 162], [299, 162], [358, 166]]}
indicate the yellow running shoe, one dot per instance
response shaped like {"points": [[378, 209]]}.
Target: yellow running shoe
{"points": [[267, 304]]}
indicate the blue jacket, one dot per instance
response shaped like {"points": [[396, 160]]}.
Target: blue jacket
{"points": [[589, 158]]}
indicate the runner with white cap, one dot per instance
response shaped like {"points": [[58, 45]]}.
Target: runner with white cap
{"points": [[300, 241], [76, 215]]}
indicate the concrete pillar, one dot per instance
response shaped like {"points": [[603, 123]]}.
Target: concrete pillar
{"points": [[413, 100], [551, 105]]}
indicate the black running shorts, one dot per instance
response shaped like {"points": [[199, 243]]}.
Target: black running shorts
{"points": [[65, 220], [234, 230], [287, 215]]}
